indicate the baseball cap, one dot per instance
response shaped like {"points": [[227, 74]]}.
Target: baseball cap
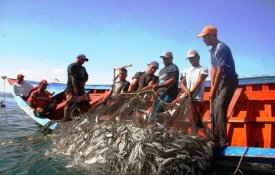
{"points": [[44, 82], [167, 54], [20, 75], [83, 57], [212, 30], [191, 53], [155, 64]]}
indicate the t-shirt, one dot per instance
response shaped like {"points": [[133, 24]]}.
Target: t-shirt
{"points": [[120, 87], [221, 55], [23, 89], [81, 78], [170, 71], [144, 79], [191, 75], [39, 99]]}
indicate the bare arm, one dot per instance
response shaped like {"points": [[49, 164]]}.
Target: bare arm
{"points": [[200, 79], [167, 83], [149, 86], [107, 96], [133, 85], [183, 85], [73, 79]]}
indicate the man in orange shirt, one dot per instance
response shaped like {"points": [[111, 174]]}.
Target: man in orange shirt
{"points": [[41, 101]]}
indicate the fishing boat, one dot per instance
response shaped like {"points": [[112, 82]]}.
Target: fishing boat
{"points": [[251, 116], [95, 92]]}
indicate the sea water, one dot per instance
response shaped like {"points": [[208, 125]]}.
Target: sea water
{"points": [[26, 150]]}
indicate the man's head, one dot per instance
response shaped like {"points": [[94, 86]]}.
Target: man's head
{"points": [[167, 57], [43, 85], [81, 58], [20, 78], [122, 74], [209, 35], [193, 56], [152, 67]]}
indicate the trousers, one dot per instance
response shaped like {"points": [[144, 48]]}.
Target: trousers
{"points": [[224, 94]]}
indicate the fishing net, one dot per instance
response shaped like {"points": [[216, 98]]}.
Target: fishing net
{"points": [[117, 136]]}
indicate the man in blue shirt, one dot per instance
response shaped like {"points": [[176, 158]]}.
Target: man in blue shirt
{"points": [[224, 81]]}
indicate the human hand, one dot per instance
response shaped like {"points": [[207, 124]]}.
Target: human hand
{"points": [[155, 87], [40, 110]]}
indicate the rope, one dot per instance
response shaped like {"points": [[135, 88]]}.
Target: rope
{"points": [[239, 164]]}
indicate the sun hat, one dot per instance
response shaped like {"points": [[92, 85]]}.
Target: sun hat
{"points": [[167, 54], [212, 30], [83, 57], [155, 64]]}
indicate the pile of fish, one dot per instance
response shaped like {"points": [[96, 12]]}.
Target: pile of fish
{"points": [[128, 149]]}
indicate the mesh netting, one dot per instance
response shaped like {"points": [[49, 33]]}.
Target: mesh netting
{"points": [[117, 136]]}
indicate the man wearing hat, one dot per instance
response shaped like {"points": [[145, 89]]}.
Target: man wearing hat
{"points": [[40, 101], [192, 83], [167, 89], [224, 81], [145, 80], [76, 96], [22, 88]]}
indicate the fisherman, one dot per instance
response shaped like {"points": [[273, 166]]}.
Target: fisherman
{"points": [[77, 99], [192, 84], [22, 88], [224, 81], [167, 89], [41, 101], [145, 80], [118, 87]]}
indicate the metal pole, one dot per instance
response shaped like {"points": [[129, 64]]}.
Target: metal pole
{"points": [[3, 103]]}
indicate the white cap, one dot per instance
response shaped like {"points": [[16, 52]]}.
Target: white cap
{"points": [[191, 53]]}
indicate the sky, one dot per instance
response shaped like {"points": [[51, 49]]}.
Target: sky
{"points": [[41, 38]]}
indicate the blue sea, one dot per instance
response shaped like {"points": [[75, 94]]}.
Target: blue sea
{"points": [[25, 149]]}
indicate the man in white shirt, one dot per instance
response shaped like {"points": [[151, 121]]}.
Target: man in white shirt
{"points": [[22, 88], [193, 78], [192, 83]]}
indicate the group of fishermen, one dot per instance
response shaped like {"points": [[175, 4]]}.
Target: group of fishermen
{"points": [[224, 81]]}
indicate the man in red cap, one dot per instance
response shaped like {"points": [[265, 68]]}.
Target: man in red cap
{"points": [[224, 81], [40, 101], [77, 99], [22, 88]]}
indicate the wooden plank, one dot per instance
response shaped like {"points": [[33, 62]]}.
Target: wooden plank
{"points": [[251, 154], [260, 95], [234, 101]]}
